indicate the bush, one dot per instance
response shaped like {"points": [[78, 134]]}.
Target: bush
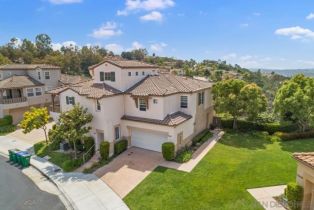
{"points": [[104, 150], [41, 149], [202, 137], [271, 128], [55, 137], [7, 129], [120, 146], [6, 120], [168, 151], [70, 165], [295, 135], [184, 156], [294, 194]]}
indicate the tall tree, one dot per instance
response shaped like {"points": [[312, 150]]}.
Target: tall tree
{"points": [[43, 44]]}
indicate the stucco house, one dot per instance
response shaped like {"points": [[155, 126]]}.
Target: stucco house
{"points": [[132, 100], [25, 85], [305, 177]]}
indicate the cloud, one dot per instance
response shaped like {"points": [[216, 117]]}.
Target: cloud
{"points": [[158, 47], [115, 48], [66, 44], [65, 1], [257, 14], [108, 29], [136, 45], [153, 16], [310, 16], [229, 56], [146, 5], [296, 32], [244, 25]]}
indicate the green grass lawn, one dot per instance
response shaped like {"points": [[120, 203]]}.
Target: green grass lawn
{"points": [[238, 162]]}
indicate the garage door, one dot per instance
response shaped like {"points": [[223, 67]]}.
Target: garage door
{"points": [[150, 140]]}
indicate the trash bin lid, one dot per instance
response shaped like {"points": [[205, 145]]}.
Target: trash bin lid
{"points": [[22, 153]]}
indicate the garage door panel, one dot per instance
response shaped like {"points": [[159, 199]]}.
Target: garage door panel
{"points": [[146, 139]]}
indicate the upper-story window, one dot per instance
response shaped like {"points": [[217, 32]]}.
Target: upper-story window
{"points": [[130, 73], [143, 105], [136, 73], [30, 92], [184, 102], [70, 100], [107, 76], [98, 105], [38, 91], [39, 75], [155, 101], [47, 75], [102, 76], [143, 73], [200, 98]]}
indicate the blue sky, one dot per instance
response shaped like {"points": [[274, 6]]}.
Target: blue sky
{"points": [[252, 33]]}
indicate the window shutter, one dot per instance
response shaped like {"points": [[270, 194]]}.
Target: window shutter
{"points": [[113, 76], [67, 100], [102, 76], [73, 100]]}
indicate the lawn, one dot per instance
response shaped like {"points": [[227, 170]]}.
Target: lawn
{"points": [[238, 162]]}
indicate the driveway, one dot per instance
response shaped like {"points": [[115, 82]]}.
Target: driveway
{"points": [[127, 170]]}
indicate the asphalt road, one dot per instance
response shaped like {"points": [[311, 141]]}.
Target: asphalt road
{"points": [[18, 192]]}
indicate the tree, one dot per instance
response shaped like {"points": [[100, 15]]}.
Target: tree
{"points": [[255, 101], [36, 118], [43, 44], [73, 125], [227, 96], [295, 99], [4, 60]]}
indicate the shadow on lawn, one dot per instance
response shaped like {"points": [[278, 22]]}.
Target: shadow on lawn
{"points": [[248, 140], [301, 145]]}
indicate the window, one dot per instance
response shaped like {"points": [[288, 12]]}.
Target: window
{"points": [[143, 73], [38, 91], [117, 132], [200, 98], [155, 101], [70, 100], [39, 75], [142, 104], [136, 73], [184, 101], [98, 106], [30, 92], [130, 74], [110, 76], [102, 76], [47, 75]]}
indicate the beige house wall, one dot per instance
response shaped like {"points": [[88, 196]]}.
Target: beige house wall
{"points": [[305, 178]]}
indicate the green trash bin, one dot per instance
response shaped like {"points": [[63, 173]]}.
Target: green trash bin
{"points": [[13, 155], [25, 159], [19, 157]]}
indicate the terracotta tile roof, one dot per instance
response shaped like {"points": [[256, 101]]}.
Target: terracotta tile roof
{"points": [[122, 63], [20, 81], [27, 66], [170, 120], [89, 89], [167, 84], [67, 79], [306, 158]]}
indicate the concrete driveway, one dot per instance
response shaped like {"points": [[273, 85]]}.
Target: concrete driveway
{"points": [[129, 169]]}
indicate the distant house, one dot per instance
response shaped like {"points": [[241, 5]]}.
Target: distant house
{"points": [[25, 85], [132, 100]]}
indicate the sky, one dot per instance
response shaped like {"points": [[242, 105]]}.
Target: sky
{"points": [[273, 34]]}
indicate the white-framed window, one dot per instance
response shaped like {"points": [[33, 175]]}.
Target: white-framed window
{"points": [[184, 101], [70, 100], [110, 76], [142, 104], [201, 98], [47, 75], [98, 105], [155, 101], [136, 73], [38, 91], [130, 73], [30, 92], [39, 75], [117, 132]]}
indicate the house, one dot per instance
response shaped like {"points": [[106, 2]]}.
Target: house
{"points": [[132, 100], [305, 177], [24, 85]]}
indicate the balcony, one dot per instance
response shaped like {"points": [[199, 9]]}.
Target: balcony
{"points": [[12, 100]]}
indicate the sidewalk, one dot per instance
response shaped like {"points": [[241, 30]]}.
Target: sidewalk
{"points": [[83, 191]]}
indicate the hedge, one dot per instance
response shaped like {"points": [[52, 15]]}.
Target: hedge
{"points": [[120, 146], [202, 137], [41, 149], [294, 194], [70, 165], [168, 150], [271, 128], [295, 135], [184, 156], [104, 150], [6, 120], [7, 129]]}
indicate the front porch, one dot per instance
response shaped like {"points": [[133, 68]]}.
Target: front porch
{"points": [[12, 96]]}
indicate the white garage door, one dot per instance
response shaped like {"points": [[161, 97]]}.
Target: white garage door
{"points": [[150, 140]]}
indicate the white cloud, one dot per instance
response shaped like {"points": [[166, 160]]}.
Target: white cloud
{"points": [[136, 45], [65, 1], [244, 25], [108, 29], [66, 44], [257, 14], [147, 5], [310, 16], [158, 47], [152, 16], [229, 56], [115, 48], [296, 32]]}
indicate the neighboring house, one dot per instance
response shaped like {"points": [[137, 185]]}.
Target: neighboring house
{"points": [[67, 79], [130, 99], [25, 85], [305, 177]]}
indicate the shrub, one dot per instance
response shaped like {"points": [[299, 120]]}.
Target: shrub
{"points": [[7, 129], [294, 194], [168, 151], [41, 149], [6, 120], [295, 135], [184, 156], [202, 137], [120, 146], [104, 150], [55, 137], [70, 165]]}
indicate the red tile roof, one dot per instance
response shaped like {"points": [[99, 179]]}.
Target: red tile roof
{"points": [[28, 67], [19, 81], [306, 158]]}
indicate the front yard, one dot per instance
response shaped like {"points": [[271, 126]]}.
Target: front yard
{"points": [[238, 162]]}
